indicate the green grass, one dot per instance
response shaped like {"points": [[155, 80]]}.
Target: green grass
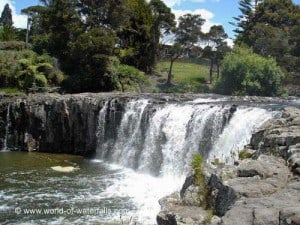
{"points": [[187, 77], [11, 91]]}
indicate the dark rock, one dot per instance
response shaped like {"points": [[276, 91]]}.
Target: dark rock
{"points": [[189, 180], [221, 197], [57, 123]]}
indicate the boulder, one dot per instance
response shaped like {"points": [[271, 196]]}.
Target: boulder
{"points": [[182, 215]]}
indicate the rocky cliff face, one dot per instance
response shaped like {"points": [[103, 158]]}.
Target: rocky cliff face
{"points": [[257, 191], [54, 123], [67, 123]]}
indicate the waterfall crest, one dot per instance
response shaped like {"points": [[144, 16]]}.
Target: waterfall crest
{"points": [[160, 139]]}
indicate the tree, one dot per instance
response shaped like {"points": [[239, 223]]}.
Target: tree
{"points": [[105, 13], [217, 37], [136, 36], [164, 23], [247, 73], [187, 34], [243, 21], [32, 13], [7, 31], [6, 16], [270, 31], [90, 54]]}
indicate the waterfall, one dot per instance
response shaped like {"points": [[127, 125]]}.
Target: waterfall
{"points": [[160, 139], [7, 126], [155, 143], [238, 133]]}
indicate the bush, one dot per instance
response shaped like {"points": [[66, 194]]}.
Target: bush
{"points": [[246, 73], [12, 45], [21, 69], [200, 180], [130, 79]]}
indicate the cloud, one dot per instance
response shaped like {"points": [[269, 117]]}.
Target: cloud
{"points": [[205, 14], [20, 21], [230, 42], [172, 3]]}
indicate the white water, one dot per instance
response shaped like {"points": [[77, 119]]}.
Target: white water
{"points": [[158, 145], [238, 133], [7, 126]]}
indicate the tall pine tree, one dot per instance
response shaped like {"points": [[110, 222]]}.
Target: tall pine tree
{"points": [[6, 16]]}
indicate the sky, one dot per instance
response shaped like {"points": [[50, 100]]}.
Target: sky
{"points": [[215, 12]]}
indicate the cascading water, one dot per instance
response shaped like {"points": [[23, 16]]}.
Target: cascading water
{"points": [[7, 126], [157, 141]]}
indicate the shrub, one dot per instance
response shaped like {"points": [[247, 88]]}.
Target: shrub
{"points": [[200, 180], [12, 45], [246, 73], [21, 69], [130, 79], [244, 154]]}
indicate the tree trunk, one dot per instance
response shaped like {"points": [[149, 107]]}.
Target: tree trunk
{"points": [[169, 80], [27, 33], [211, 70], [218, 69]]}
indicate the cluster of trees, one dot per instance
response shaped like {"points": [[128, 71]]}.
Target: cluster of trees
{"points": [[267, 51], [21, 68], [95, 41], [272, 28], [113, 44], [91, 37]]}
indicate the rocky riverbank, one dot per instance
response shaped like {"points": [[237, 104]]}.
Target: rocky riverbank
{"points": [[262, 190]]}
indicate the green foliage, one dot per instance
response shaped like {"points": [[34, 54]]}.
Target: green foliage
{"points": [[130, 79], [12, 45], [7, 33], [137, 34], [269, 29], [21, 69], [93, 70], [246, 73], [189, 31], [208, 217], [11, 91], [244, 154], [200, 179], [6, 16]]}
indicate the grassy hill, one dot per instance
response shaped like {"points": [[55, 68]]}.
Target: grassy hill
{"points": [[187, 77]]}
